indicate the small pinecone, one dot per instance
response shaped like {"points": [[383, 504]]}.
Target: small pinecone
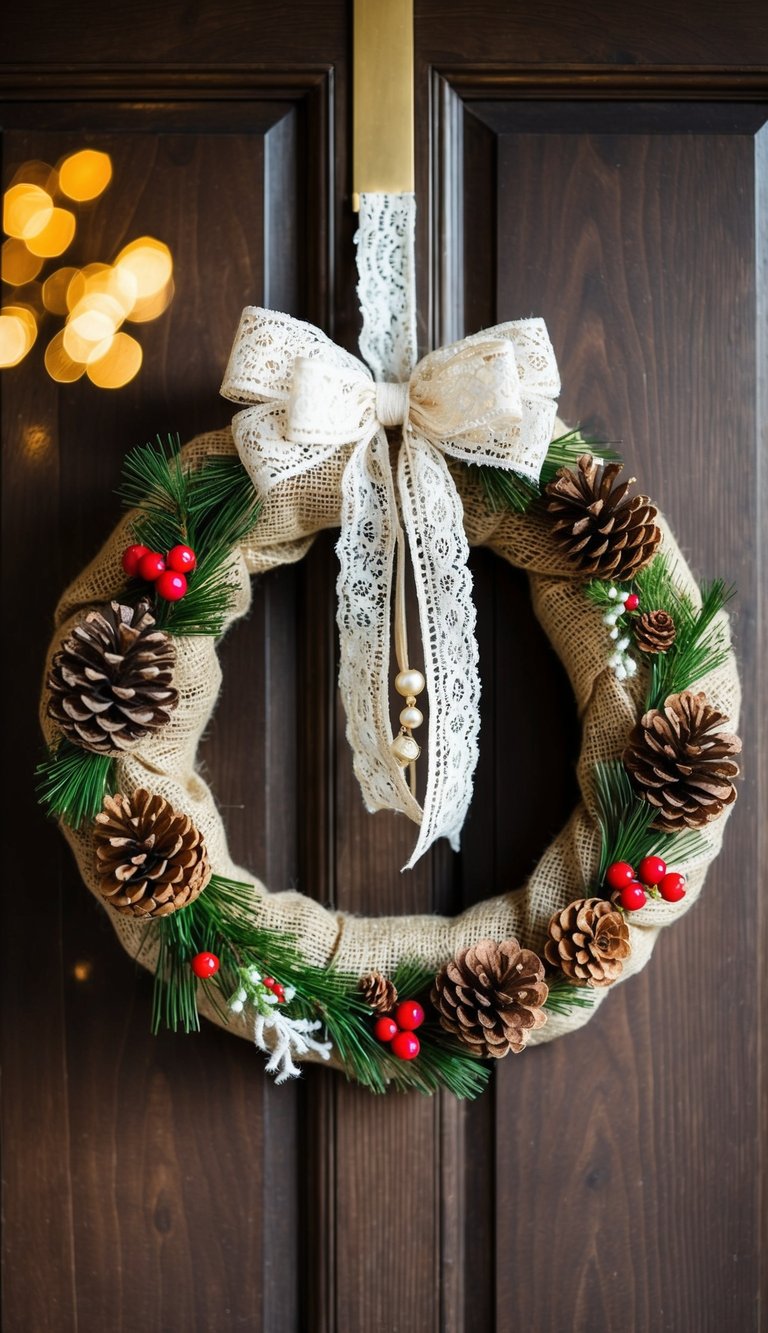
{"points": [[491, 995], [605, 535], [655, 631], [378, 992], [588, 941], [681, 762], [150, 859], [111, 681]]}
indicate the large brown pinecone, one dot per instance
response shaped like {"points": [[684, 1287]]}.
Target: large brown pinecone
{"points": [[681, 762], [655, 631], [604, 534], [150, 859], [588, 941], [491, 995], [111, 681], [378, 992]]}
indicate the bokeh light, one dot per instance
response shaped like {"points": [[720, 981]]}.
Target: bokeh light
{"points": [[27, 210], [85, 175], [59, 364], [55, 289], [119, 363], [55, 237], [18, 330], [19, 266], [93, 300]]}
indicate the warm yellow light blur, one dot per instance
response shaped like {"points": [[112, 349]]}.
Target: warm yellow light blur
{"points": [[152, 306], [55, 236], [18, 330], [150, 263], [59, 364], [19, 266], [39, 173], [118, 284], [55, 290], [120, 362], [85, 175], [27, 210], [93, 320], [79, 284], [37, 441]]}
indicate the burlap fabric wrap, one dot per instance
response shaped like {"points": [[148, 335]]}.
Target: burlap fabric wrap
{"points": [[293, 513]]}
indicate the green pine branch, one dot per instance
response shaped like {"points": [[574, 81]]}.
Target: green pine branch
{"points": [[564, 997], [701, 643], [72, 783], [220, 920], [507, 490], [212, 509], [625, 820]]}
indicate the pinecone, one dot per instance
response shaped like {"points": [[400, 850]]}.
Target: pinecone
{"points": [[588, 941], [491, 995], [150, 859], [378, 992], [111, 681], [604, 534], [654, 631], [681, 762]]}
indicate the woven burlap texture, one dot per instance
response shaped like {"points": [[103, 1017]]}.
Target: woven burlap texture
{"points": [[293, 513]]}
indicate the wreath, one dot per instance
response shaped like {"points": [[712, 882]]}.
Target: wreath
{"points": [[132, 677]]}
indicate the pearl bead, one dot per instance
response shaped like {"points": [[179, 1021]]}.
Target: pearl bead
{"points": [[409, 682], [411, 717], [405, 749]]}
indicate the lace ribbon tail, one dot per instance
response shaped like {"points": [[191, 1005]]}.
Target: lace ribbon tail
{"points": [[365, 551], [434, 521]]}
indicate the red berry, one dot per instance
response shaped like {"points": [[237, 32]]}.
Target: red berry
{"points": [[131, 557], [181, 559], [672, 887], [171, 586], [406, 1046], [409, 1015], [151, 566], [651, 870], [633, 897], [268, 982], [205, 965], [632, 602], [384, 1029], [619, 874]]}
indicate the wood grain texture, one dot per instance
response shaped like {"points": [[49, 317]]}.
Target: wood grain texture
{"points": [[606, 1183]]}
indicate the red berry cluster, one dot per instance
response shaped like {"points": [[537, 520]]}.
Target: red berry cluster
{"points": [[205, 965], [167, 572], [276, 988], [399, 1029], [652, 875]]}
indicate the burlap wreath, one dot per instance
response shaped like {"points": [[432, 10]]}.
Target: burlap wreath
{"points": [[293, 514]]}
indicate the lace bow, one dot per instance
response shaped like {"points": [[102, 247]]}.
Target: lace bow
{"points": [[489, 399]]}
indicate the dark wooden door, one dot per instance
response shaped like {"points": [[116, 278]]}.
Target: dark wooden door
{"points": [[601, 169]]}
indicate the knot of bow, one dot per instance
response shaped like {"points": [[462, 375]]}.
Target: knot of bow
{"points": [[488, 399]]}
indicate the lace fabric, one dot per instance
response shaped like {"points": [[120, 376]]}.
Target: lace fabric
{"points": [[486, 399]]}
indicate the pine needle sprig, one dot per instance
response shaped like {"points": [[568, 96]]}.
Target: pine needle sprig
{"points": [[625, 819], [211, 509], [72, 783], [507, 490], [701, 644], [564, 997], [219, 921]]}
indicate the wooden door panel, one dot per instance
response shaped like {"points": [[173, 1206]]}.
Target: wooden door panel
{"points": [[631, 230], [141, 1166]]}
